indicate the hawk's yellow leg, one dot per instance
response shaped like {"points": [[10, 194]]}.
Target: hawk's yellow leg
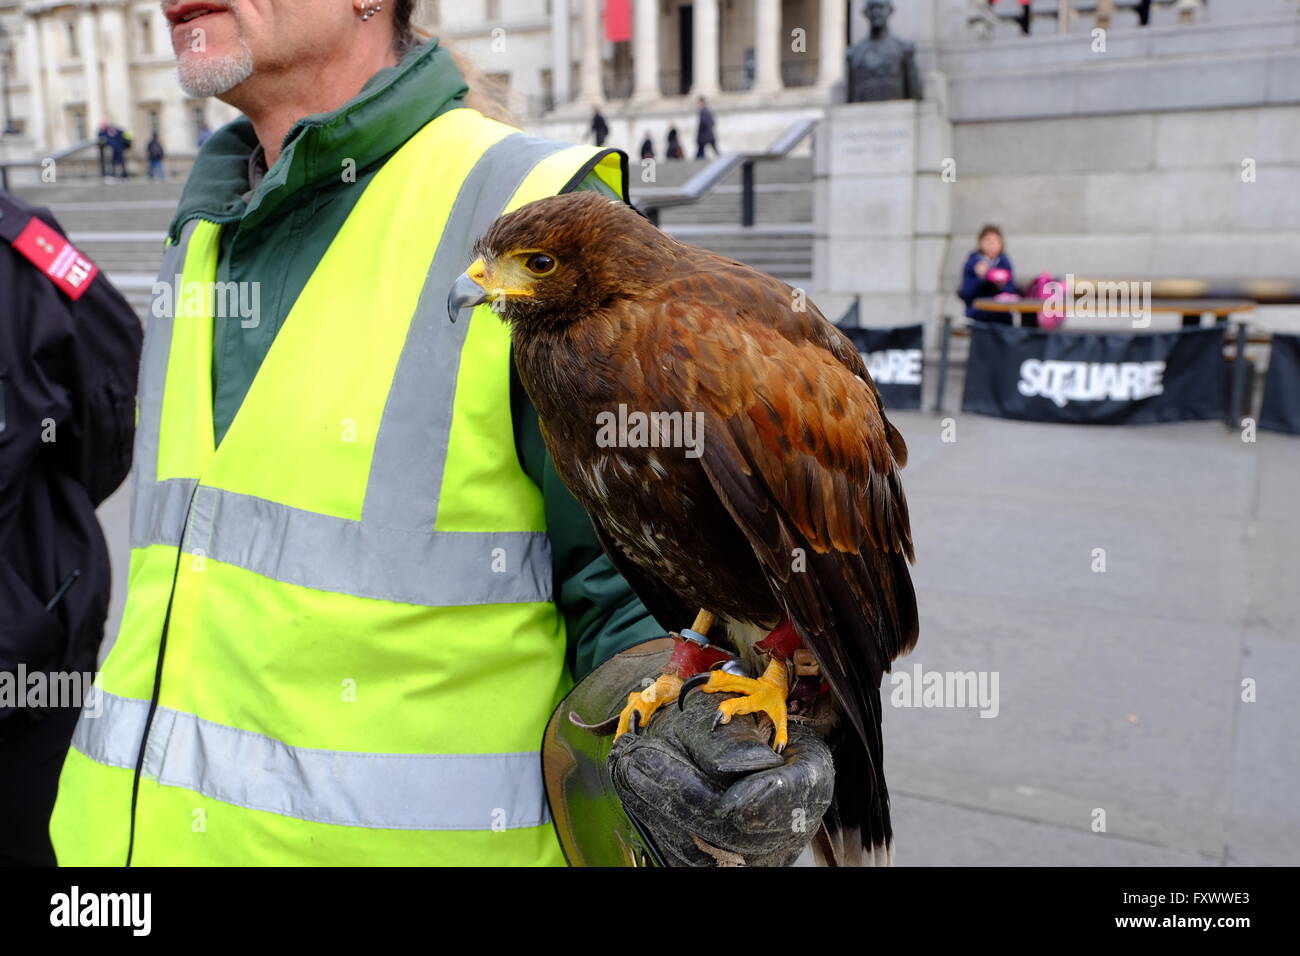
{"points": [[692, 655]]}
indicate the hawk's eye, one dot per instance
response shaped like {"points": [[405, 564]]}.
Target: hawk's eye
{"points": [[539, 263]]}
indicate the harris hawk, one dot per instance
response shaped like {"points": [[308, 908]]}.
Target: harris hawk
{"points": [[731, 449]]}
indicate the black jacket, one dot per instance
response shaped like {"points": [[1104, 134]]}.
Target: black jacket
{"points": [[67, 409]]}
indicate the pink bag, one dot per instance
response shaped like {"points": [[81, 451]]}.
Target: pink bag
{"points": [[1045, 287]]}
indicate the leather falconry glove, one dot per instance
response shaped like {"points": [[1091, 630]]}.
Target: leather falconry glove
{"points": [[720, 796]]}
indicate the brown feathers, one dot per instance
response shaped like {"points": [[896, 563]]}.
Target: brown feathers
{"points": [[790, 506]]}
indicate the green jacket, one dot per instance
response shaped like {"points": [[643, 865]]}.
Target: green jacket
{"points": [[277, 230]]}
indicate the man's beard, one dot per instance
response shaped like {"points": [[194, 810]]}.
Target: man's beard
{"points": [[202, 75]]}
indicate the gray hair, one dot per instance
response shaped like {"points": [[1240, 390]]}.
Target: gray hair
{"points": [[404, 37]]}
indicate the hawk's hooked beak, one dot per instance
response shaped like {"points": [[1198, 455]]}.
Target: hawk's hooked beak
{"points": [[467, 290]]}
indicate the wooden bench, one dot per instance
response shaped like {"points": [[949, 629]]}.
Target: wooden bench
{"points": [[1193, 310], [1283, 290]]}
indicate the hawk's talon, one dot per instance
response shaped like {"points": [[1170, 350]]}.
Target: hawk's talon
{"points": [[699, 680], [642, 704], [764, 696]]}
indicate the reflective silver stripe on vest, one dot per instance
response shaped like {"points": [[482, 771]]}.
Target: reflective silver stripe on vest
{"points": [[381, 791], [154, 517], [391, 553], [161, 516], [157, 347], [418, 414], [439, 569]]}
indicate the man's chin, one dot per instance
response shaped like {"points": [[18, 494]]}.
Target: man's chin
{"points": [[212, 74]]}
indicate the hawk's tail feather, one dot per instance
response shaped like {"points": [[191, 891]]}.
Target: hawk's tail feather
{"points": [[860, 805]]}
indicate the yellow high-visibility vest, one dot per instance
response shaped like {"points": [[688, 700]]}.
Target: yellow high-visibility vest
{"points": [[339, 644]]}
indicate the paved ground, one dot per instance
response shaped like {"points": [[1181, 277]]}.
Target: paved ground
{"points": [[1119, 691]]}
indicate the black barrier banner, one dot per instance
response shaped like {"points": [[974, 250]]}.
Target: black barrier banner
{"points": [[1102, 378], [1281, 409], [894, 359]]}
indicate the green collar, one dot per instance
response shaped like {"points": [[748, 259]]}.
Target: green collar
{"points": [[393, 105]]}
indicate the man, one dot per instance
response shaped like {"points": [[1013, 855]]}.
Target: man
{"points": [[599, 128], [156, 156], [705, 134], [69, 349], [101, 137], [117, 141], [358, 587]]}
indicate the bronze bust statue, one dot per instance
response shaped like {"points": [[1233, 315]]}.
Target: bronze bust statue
{"points": [[881, 66]]}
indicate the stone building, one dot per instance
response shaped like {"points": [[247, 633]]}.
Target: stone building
{"points": [[1164, 150], [72, 63]]}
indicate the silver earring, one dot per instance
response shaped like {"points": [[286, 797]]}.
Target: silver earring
{"points": [[368, 11]]}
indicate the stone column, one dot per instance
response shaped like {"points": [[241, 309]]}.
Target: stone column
{"points": [[117, 75], [645, 50], [92, 89], [561, 59], [592, 89], [704, 81], [767, 46], [36, 127], [57, 135], [830, 67]]}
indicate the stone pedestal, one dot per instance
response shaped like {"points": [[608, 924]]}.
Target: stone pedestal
{"points": [[15, 148], [882, 208]]}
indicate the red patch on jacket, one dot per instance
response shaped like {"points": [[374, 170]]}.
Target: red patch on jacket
{"points": [[59, 259]]}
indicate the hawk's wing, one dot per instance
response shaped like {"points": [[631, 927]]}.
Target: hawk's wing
{"points": [[668, 610]]}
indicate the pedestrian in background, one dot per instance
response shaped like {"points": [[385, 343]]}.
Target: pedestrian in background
{"points": [[673, 148], [647, 147], [987, 273], [599, 128], [114, 140], [705, 131], [156, 156], [101, 137], [117, 141]]}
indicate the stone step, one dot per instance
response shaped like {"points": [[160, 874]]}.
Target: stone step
{"points": [[122, 252], [47, 194], [784, 251], [772, 204], [122, 226], [149, 220], [672, 173]]}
